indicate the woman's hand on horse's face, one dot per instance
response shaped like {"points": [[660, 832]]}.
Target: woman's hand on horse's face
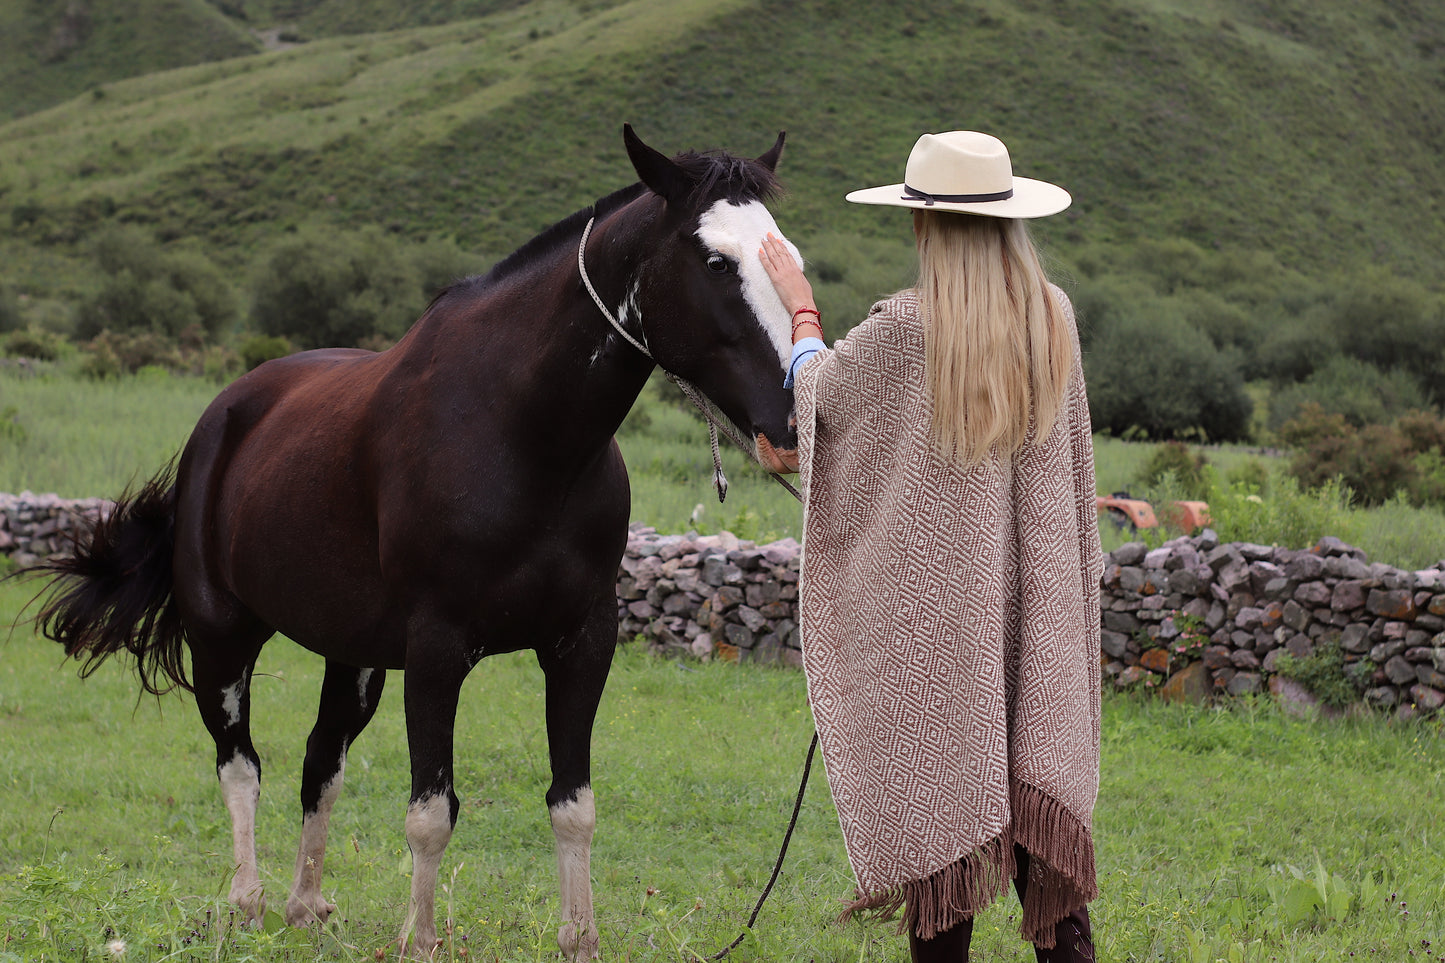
{"points": [[793, 288]]}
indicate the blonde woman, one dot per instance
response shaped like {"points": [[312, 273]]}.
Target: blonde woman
{"points": [[951, 565]]}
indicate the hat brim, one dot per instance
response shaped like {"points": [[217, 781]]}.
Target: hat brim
{"points": [[1031, 198]]}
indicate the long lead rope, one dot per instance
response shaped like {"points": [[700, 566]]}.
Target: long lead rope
{"points": [[720, 482], [782, 854]]}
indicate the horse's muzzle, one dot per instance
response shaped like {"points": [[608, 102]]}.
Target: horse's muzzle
{"points": [[781, 462]]}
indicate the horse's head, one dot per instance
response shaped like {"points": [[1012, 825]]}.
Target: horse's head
{"points": [[708, 311]]}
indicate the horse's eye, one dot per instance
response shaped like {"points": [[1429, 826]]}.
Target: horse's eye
{"points": [[717, 264]]}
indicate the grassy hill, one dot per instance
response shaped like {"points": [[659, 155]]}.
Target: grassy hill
{"points": [[51, 52], [1311, 130], [1298, 141]]}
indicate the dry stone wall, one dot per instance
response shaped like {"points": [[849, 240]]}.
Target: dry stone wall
{"points": [[1194, 618], [711, 596], [33, 526], [1239, 608]]}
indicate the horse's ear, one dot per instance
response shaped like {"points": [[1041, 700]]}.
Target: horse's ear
{"points": [[655, 170], [770, 159]]}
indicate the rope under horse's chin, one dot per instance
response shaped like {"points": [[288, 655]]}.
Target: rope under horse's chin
{"points": [[719, 479]]}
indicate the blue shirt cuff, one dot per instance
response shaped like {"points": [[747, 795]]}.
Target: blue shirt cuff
{"points": [[805, 348]]}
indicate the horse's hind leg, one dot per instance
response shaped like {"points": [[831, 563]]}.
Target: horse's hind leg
{"points": [[574, 689], [221, 673], [349, 696]]}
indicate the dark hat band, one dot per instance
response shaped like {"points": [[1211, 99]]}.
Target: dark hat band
{"points": [[913, 194]]}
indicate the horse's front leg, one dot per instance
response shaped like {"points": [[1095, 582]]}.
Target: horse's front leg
{"points": [[574, 688], [349, 697], [436, 665]]}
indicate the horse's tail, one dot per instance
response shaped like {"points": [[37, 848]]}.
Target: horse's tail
{"points": [[114, 593]]}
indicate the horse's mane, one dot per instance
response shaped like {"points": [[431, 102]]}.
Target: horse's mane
{"points": [[565, 228], [715, 175], [719, 175]]}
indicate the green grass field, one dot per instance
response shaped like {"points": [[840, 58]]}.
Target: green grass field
{"points": [[111, 825]]}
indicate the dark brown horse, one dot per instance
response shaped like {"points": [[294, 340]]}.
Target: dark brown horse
{"points": [[454, 497]]}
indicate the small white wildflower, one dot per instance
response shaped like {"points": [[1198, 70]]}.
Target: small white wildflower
{"points": [[116, 949]]}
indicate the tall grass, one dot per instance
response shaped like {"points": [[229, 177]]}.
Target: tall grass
{"points": [[81, 437]]}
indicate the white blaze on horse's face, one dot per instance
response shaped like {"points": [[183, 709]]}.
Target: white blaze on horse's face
{"points": [[737, 231]]}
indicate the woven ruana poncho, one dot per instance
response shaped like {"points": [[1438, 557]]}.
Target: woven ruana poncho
{"points": [[950, 624]]}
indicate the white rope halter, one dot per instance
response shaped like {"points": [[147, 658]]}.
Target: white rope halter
{"points": [[596, 299], [719, 479]]}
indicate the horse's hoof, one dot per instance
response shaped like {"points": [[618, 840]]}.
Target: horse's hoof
{"points": [[577, 948], [302, 913], [251, 901], [412, 949]]}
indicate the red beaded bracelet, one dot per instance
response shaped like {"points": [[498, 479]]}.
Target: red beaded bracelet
{"points": [[817, 319]]}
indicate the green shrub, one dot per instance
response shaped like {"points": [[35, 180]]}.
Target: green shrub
{"points": [[1101, 305], [34, 343], [1164, 380], [1291, 351], [260, 348], [10, 318], [1393, 323], [147, 288], [1424, 430], [1361, 392], [219, 363], [1376, 461], [1187, 467], [439, 264], [1227, 325], [1251, 474], [1174, 263], [1288, 516], [100, 361], [11, 428], [111, 353], [1428, 485], [1324, 674], [321, 289]]}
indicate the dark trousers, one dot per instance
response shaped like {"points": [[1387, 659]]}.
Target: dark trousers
{"points": [[1073, 938]]}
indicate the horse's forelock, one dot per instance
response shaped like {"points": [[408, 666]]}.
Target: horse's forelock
{"points": [[722, 176]]}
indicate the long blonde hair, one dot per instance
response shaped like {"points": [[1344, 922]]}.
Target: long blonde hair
{"points": [[998, 350]]}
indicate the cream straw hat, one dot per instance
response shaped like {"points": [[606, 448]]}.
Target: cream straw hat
{"points": [[967, 172]]}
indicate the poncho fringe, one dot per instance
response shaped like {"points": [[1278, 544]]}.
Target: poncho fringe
{"points": [[1061, 876]]}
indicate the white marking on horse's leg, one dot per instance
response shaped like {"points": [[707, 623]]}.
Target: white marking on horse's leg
{"points": [[306, 904], [241, 788], [428, 830], [737, 231], [572, 825], [363, 679], [231, 699]]}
